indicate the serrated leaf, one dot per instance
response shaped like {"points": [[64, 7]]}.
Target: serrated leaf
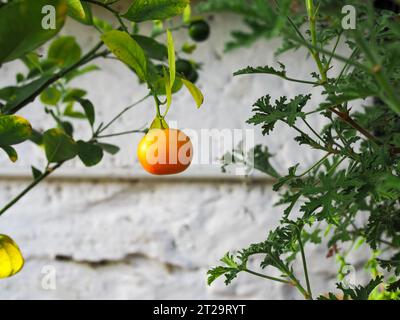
{"points": [[261, 70]]}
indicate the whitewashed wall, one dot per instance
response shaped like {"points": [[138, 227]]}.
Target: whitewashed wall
{"points": [[113, 231]]}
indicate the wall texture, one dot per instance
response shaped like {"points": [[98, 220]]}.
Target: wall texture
{"points": [[114, 232]]}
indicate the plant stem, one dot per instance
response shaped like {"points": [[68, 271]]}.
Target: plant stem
{"points": [[85, 59], [267, 277], [105, 127], [313, 131], [295, 282], [334, 50], [317, 164], [344, 116], [327, 52], [121, 133], [114, 12], [303, 258], [313, 30], [48, 171]]}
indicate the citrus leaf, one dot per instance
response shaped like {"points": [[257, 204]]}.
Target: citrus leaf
{"points": [[145, 10], [59, 146], [194, 91], [171, 58], [127, 50], [89, 110], [36, 173], [109, 148], [75, 8], [102, 25], [12, 154], [90, 153], [79, 11], [22, 95], [65, 51], [153, 49], [21, 29], [168, 88], [14, 130], [51, 96]]}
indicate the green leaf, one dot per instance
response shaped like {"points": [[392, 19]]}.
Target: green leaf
{"points": [[11, 152], [262, 70], [151, 47], [36, 173], [109, 148], [21, 95], [32, 60], [360, 292], [267, 114], [73, 94], [65, 51], [51, 96], [194, 91], [75, 8], [14, 130], [171, 58], [89, 110], [7, 93], [187, 14], [21, 28], [76, 73], [168, 88], [90, 153], [189, 47], [127, 50], [70, 112], [67, 127], [144, 10], [102, 25], [79, 11], [159, 86], [59, 146]]}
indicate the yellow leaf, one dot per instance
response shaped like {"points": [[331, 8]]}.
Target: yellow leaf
{"points": [[171, 58], [194, 91], [11, 260], [168, 88]]}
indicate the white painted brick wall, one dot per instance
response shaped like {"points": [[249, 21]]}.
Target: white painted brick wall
{"points": [[143, 239]]}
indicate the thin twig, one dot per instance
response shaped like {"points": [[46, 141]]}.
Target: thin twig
{"points": [[48, 171], [85, 59]]}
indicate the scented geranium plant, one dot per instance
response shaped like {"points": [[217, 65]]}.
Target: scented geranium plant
{"points": [[27, 25], [351, 195]]}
